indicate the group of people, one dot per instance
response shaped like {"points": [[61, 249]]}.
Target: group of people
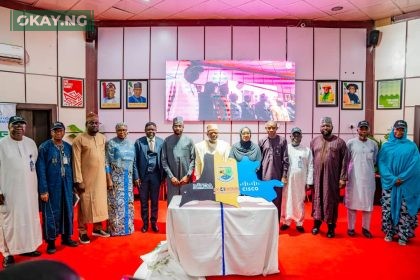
{"points": [[102, 175]]}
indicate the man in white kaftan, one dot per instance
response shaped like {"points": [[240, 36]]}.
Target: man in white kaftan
{"points": [[300, 177], [20, 228], [210, 146], [360, 190]]}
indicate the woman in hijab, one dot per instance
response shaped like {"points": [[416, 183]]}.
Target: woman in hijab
{"points": [[399, 166], [245, 147]]}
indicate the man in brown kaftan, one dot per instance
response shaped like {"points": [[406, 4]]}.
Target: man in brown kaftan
{"points": [[330, 174], [90, 179]]}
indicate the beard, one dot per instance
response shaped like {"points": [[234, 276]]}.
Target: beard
{"points": [[326, 133]]}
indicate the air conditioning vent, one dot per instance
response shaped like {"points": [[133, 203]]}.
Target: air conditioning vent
{"points": [[12, 53]]}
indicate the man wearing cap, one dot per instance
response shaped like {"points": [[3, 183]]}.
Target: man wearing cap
{"points": [[399, 166], [275, 160], [55, 187], [211, 146], [327, 95], [330, 174], [149, 174], [136, 97], [178, 158], [351, 96], [90, 179], [20, 228], [360, 189], [300, 177], [110, 92]]}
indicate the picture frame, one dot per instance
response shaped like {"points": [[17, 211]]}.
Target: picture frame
{"points": [[72, 92], [137, 94], [389, 94], [326, 94], [352, 95], [110, 94]]}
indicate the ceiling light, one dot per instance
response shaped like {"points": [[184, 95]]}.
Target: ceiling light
{"points": [[336, 8]]}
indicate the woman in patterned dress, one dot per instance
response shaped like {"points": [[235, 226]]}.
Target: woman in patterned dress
{"points": [[120, 165]]}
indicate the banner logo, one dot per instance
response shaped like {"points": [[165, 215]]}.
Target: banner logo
{"points": [[51, 20]]}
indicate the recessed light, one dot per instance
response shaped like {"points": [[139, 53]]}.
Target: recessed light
{"points": [[336, 8]]}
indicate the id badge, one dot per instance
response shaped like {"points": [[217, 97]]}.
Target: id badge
{"points": [[65, 160], [300, 163]]}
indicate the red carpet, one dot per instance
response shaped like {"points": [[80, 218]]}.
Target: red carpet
{"points": [[301, 256]]}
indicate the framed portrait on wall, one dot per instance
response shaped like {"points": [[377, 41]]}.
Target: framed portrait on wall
{"points": [[72, 93], [326, 93], [137, 94], [389, 94], [110, 94], [351, 95]]}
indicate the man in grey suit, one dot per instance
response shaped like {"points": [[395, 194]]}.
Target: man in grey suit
{"points": [[150, 174], [178, 158]]}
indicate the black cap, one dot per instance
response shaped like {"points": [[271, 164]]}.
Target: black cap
{"points": [[400, 124], [296, 130], [16, 119], [363, 124], [58, 125]]}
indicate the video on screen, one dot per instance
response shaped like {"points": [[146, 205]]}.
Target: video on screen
{"points": [[216, 90]]}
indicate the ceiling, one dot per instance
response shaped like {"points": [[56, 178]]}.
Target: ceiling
{"points": [[352, 10]]}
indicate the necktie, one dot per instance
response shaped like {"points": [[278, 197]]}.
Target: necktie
{"points": [[151, 145]]}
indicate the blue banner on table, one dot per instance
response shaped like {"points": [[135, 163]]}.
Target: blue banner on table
{"points": [[224, 180]]}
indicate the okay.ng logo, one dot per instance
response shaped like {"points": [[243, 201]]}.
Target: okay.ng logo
{"points": [[51, 20]]}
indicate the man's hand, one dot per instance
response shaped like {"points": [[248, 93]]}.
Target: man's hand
{"points": [[284, 180], [185, 180], [342, 184], [175, 181], [137, 183], [79, 187], [44, 197]]}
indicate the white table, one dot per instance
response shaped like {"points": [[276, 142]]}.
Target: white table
{"points": [[208, 238]]}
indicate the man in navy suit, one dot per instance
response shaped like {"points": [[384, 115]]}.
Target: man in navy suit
{"points": [[150, 174]]}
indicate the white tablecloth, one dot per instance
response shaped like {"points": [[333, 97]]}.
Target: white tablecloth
{"points": [[208, 238]]}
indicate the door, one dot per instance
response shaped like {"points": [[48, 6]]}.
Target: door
{"points": [[39, 118]]}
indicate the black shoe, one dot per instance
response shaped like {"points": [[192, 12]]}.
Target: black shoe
{"points": [[366, 233], [300, 229], [84, 238], [330, 234], [7, 261], [284, 227], [32, 254], [69, 242], [315, 231], [155, 228], [351, 232], [144, 228], [51, 247]]}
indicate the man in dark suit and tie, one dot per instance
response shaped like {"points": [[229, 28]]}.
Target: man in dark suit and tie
{"points": [[150, 174]]}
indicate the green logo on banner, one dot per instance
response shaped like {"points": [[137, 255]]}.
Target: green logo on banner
{"points": [[4, 133], [51, 20]]}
